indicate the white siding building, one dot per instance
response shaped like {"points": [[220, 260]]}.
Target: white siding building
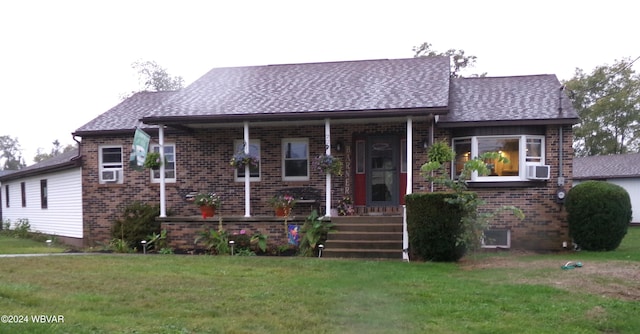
{"points": [[47, 194], [622, 170]]}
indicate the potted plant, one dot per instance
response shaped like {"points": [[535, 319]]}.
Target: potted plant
{"points": [[241, 159], [282, 204], [208, 203], [328, 164], [152, 160], [345, 206]]}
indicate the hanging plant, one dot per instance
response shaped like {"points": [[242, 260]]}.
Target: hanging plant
{"points": [[153, 160], [241, 159], [328, 164]]}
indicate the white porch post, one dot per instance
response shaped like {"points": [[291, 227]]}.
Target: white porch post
{"points": [[327, 145], [247, 182], [405, 233], [163, 196]]}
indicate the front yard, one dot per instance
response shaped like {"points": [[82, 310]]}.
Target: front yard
{"points": [[488, 293]]}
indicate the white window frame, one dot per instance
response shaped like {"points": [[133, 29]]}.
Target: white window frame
{"points": [[507, 245], [286, 141], [169, 157], [110, 165], [238, 145], [522, 157]]}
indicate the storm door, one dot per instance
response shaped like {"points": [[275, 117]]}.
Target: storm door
{"points": [[383, 168]]}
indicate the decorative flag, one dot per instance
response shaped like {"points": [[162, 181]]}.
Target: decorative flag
{"points": [[139, 149]]}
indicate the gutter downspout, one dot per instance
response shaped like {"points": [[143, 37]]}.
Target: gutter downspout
{"points": [[163, 199], [409, 190], [247, 182]]}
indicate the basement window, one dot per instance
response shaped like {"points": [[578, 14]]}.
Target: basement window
{"points": [[496, 238]]}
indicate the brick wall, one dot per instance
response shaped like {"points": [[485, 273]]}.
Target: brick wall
{"points": [[202, 163]]}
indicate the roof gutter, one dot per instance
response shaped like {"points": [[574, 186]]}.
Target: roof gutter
{"points": [[74, 162], [519, 122], [299, 116]]}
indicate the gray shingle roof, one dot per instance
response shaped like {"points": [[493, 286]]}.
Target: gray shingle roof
{"points": [[315, 87], [515, 99], [126, 115], [59, 162], [607, 166]]}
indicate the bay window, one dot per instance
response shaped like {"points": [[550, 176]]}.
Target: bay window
{"points": [[518, 150]]}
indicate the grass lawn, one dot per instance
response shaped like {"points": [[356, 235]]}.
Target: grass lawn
{"points": [[491, 293], [11, 245]]}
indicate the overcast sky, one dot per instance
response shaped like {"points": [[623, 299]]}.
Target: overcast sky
{"points": [[63, 62]]}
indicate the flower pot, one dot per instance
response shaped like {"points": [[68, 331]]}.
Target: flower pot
{"points": [[207, 211], [283, 212]]}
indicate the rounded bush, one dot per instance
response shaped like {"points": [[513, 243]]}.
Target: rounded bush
{"points": [[435, 227], [599, 214]]}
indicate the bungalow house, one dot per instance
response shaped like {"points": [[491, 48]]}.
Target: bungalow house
{"points": [[378, 116], [619, 169], [48, 194]]}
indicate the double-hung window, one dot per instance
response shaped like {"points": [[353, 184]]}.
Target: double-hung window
{"points": [[169, 163], [254, 150], [519, 151], [295, 159], [110, 168]]}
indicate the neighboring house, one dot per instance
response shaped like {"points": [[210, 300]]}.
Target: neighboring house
{"points": [[49, 195], [379, 116], [622, 169]]}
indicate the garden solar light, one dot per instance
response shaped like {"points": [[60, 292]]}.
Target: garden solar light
{"points": [[232, 243], [321, 247], [144, 246]]}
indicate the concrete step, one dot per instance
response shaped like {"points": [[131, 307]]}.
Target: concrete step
{"points": [[394, 244], [362, 253], [382, 227], [360, 235]]}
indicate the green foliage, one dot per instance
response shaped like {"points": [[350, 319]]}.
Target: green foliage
{"points": [[607, 102], [259, 240], [11, 153], [473, 223], [154, 77], [459, 60], [158, 242], [152, 160], [120, 246], [138, 221], [216, 241], [435, 226], [313, 232], [599, 214]]}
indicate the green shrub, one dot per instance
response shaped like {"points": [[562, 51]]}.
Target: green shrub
{"points": [[599, 214], [137, 222], [435, 226]]}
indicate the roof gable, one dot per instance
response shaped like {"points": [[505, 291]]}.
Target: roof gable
{"points": [[127, 114], [316, 87], [521, 99]]}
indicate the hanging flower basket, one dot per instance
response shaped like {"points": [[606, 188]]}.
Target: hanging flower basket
{"points": [[241, 159], [328, 164], [152, 160]]}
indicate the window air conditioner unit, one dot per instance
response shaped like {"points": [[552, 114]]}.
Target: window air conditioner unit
{"points": [[538, 172], [110, 175]]}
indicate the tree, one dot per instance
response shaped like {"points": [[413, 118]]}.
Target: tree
{"points": [[154, 78], [608, 102], [11, 153], [459, 60], [57, 149]]}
